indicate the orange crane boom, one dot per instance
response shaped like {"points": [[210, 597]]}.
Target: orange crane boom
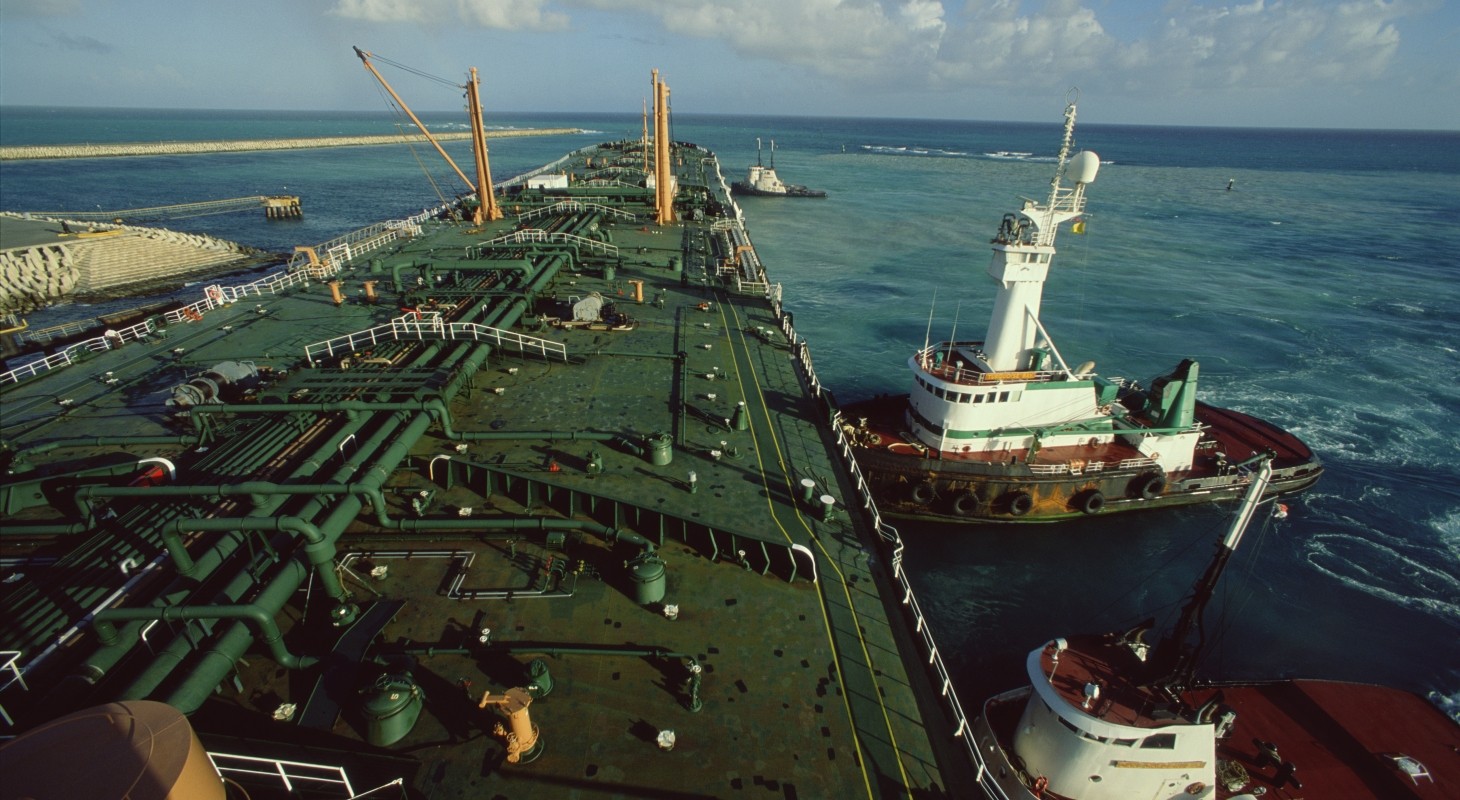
{"points": [[487, 206]]}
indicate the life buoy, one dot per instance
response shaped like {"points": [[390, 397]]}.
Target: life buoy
{"points": [[965, 504], [1196, 788], [1020, 503], [1040, 784], [1090, 501], [215, 294], [922, 493]]}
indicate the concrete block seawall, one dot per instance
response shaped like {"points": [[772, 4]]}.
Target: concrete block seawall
{"points": [[105, 150], [129, 258]]}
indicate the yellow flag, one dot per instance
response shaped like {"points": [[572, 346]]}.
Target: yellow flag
{"points": [[1078, 227]]}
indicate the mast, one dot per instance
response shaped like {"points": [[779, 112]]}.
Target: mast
{"points": [[663, 174], [1023, 250], [365, 59], [1174, 662], [487, 208]]}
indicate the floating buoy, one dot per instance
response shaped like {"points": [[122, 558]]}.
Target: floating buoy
{"points": [[1280, 511]]}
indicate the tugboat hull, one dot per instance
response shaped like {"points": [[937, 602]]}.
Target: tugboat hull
{"points": [[744, 189], [914, 482]]}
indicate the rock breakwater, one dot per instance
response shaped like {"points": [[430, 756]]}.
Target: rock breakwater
{"points": [[112, 150]]}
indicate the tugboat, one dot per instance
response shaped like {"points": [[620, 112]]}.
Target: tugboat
{"points": [[1004, 429], [762, 181], [1109, 717]]}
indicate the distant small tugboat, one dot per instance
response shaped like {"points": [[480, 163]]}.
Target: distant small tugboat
{"points": [[1111, 717], [1005, 429], [762, 181]]}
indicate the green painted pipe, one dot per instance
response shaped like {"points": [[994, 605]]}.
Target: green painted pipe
{"points": [[105, 658], [551, 650], [107, 441], [260, 614], [609, 534], [319, 548]]}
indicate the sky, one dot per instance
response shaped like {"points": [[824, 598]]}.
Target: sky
{"points": [[1392, 64]]}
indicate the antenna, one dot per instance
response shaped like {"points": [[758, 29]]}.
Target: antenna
{"points": [[1066, 143], [928, 335], [757, 151], [953, 335], [773, 154]]}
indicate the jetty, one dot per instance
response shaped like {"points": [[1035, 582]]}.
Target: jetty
{"points": [[41, 262], [119, 149], [274, 206]]}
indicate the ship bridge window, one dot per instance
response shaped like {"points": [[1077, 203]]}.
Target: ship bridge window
{"points": [[978, 398], [1159, 741]]}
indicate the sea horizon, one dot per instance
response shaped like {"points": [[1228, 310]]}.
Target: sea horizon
{"points": [[709, 115]]}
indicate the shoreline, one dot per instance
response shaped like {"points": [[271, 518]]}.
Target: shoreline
{"points": [[46, 151]]}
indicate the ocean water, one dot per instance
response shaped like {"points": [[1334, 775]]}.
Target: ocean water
{"points": [[1319, 292]]}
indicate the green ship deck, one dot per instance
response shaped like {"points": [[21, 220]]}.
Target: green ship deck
{"points": [[428, 471]]}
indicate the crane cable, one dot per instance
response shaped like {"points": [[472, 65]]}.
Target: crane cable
{"points": [[400, 126]]}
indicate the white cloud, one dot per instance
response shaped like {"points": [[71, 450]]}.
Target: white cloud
{"points": [[920, 45], [858, 40], [1276, 46], [511, 15]]}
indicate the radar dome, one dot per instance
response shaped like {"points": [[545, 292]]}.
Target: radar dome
{"points": [[1083, 166]]}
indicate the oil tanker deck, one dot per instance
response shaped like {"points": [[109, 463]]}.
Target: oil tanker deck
{"points": [[544, 506]]}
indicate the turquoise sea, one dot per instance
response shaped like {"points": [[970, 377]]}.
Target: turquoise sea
{"points": [[1319, 292]]}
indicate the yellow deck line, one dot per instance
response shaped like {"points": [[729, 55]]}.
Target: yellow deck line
{"points": [[851, 605]]}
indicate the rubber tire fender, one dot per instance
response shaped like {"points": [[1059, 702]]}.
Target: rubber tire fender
{"points": [[922, 493], [1148, 487], [1019, 503], [965, 504], [1089, 501]]}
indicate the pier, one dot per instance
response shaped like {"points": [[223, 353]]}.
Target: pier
{"points": [[275, 207], [112, 150]]}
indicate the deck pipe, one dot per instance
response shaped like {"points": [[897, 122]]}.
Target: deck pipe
{"points": [[214, 664], [237, 640], [259, 614], [106, 441], [219, 660], [429, 269], [101, 661]]}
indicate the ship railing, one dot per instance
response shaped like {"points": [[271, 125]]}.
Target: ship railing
{"points": [[342, 249], [294, 776], [44, 335], [8, 659], [539, 236], [113, 338], [429, 325], [339, 252], [891, 535], [575, 206]]}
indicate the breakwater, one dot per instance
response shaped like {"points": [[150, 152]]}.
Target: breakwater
{"points": [[111, 150]]}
